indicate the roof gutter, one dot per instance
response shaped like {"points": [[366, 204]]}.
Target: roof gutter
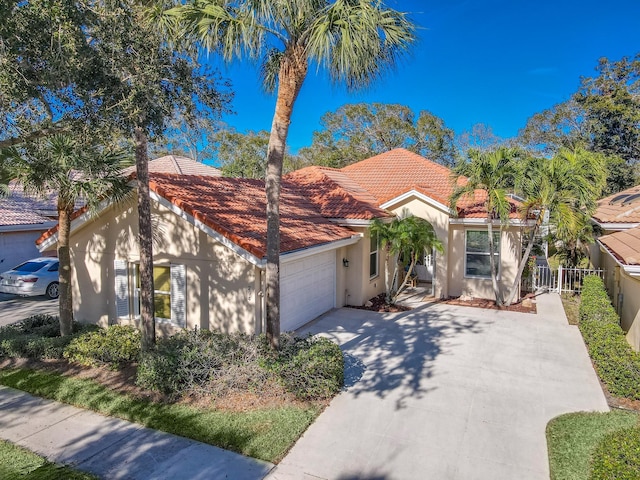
{"points": [[631, 270], [483, 221], [31, 227], [615, 225], [325, 247]]}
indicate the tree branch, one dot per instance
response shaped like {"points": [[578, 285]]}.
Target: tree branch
{"points": [[43, 132]]}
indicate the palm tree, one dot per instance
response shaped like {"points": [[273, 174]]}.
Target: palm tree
{"points": [[73, 170], [493, 173], [356, 41], [565, 189], [407, 238]]}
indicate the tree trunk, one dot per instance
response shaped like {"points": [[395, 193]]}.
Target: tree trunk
{"points": [[64, 256], [293, 70], [523, 260], [145, 238], [492, 262]]}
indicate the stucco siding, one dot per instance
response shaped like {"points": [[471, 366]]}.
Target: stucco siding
{"points": [[440, 222], [460, 284], [221, 286]]}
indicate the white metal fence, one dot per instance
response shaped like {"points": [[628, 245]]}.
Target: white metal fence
{"points": [[563, 279]]}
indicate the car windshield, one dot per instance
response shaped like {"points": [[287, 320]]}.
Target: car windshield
{"points": [[29, 267]]}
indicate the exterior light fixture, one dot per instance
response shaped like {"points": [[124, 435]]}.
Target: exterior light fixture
{"points": [[345, 262]]}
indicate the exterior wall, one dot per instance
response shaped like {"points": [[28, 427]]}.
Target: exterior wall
{"points": [[440, 222], [221, 287], [510, 251], [354, 286], [17, 247]]}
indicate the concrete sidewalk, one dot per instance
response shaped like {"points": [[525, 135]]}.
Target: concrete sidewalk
{"points": [[114, 449]]}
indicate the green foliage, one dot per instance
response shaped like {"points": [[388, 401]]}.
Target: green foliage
{"points": [[617, 456], [266, 433], [618, 366], [572, 439], [19, 463], [358, 131], [310, 368], [36, 337], [113, 346], [215, 363]]}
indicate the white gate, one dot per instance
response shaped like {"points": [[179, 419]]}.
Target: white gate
{"points": [[563, 279]]}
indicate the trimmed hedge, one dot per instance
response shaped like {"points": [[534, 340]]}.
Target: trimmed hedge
{"points": [[37, 337], [617, 456], [618, 366], [113, 346]]}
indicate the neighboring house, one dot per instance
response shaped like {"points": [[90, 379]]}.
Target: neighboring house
{"points": [[25, 217], [210, 245], [618, 252]]}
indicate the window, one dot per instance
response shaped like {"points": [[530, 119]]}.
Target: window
{"points": [[169, 294], [373, 256], [477, 261]]}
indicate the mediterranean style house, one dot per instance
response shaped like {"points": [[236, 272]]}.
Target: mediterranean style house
{"points": [[210, 244]]}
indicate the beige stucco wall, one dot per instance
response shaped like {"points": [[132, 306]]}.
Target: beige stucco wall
{"points": [[221, 286], [354, 286], [510, 251], [440, 222]]}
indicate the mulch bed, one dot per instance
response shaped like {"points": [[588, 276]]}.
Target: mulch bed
{"points": [[528, 307], [379, 304]]}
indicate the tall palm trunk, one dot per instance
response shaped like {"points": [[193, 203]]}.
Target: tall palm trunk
{"points": [[523, 261], [492, 261], [293, 70], [66, 297], [145, 238]]}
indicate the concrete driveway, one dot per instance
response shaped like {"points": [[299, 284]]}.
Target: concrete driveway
{"points": [[14, 308], [445, 392]]}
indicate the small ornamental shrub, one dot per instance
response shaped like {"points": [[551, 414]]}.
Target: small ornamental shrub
{"points": [[310, 368], [37, 337], [202, 361], [113, 346], [617, 456], [617, 364]]}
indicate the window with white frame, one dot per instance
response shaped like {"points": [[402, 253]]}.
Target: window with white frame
{"points": [[477, 257], [373, 256], [169, 294]]}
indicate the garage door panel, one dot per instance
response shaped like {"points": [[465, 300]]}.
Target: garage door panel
{"points": [[307, 289]]}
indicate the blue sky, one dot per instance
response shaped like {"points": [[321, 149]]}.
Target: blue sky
{"points": [[495, 62]]}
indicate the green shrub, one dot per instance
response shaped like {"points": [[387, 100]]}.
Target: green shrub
{"points": [[216, 363], [310, 368], [201, 360], [618, 366], [113, 346], [617, 456], [36, 337]]}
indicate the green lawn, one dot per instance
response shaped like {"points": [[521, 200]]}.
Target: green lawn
{"points": [[572, 439], [18, 463], [266, 434]]}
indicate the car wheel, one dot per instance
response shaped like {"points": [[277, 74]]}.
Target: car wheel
{"points": [[53, 291]]}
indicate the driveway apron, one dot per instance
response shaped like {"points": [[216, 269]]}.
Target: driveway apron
{"points": [[446, 392]]}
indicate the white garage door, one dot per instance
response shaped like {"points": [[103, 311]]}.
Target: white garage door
{"points": [[307, 289]]}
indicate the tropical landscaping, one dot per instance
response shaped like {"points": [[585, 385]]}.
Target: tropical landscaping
{"points": [[601, 445]]}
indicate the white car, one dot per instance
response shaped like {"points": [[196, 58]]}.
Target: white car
{"points": [[33, 277]]}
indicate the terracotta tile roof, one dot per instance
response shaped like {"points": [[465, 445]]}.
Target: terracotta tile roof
{"points": [[394, 173], [178, 165], [21, 208], [335, 194], [389, 175], [621, 207], [624, 245], [235, 208]]}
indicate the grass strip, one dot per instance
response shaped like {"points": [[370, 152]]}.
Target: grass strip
{"points": [[266, 434], [573, 438], [19, 463]]}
